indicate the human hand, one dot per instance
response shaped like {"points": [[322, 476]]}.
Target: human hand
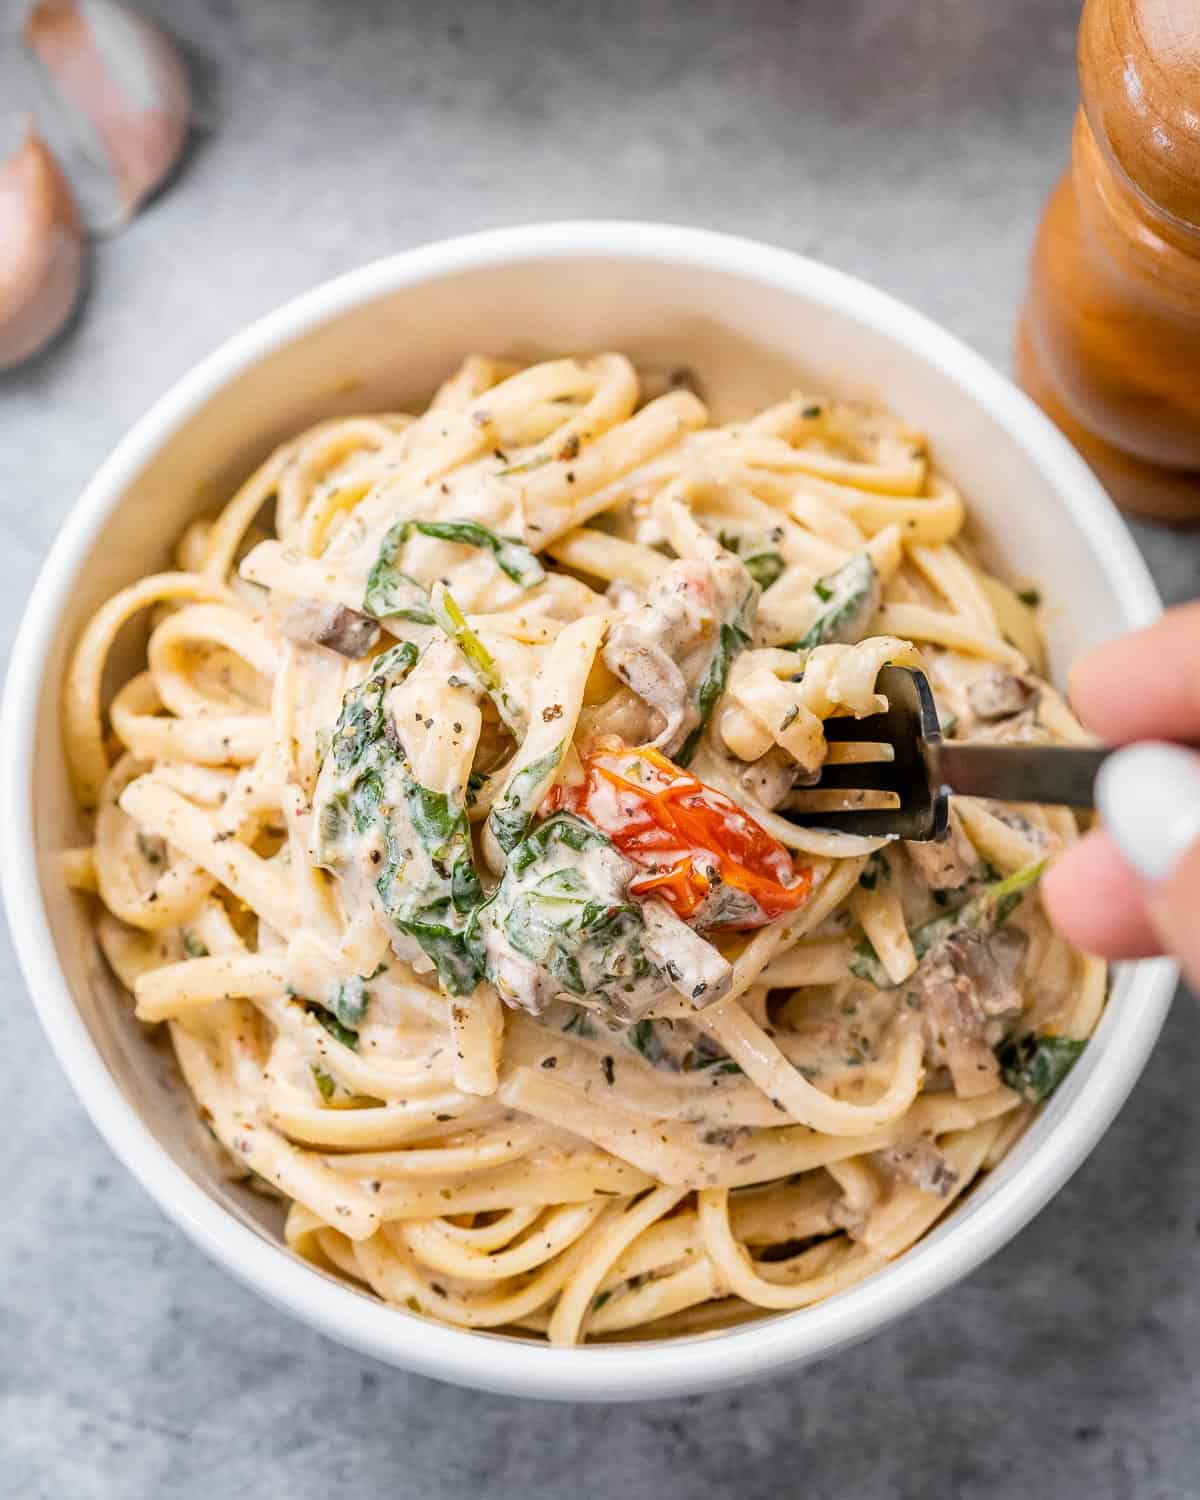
{"points": [[1132, 887]]}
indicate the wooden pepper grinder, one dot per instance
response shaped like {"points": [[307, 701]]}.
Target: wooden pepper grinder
{"points": [[1109, 337]]}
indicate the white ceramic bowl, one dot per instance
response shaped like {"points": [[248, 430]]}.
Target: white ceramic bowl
{"points": [[738, 312]]}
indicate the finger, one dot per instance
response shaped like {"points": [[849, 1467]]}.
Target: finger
{"points": [[1145, 685], [1149, 797], [1094, 899]]}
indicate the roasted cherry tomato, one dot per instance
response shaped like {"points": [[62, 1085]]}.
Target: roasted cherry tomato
{"points": [[698, 849]]}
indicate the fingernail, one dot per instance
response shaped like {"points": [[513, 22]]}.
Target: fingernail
{"points": [[1149, 798]]}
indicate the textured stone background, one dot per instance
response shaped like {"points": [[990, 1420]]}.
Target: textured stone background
{"points": [[910, 143]]}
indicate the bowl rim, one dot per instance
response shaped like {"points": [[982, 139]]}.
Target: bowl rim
{"points": [[606, 1372]]}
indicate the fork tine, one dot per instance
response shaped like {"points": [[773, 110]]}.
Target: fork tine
{"points": [[903, 822], [873, 727], [878, 775], [909, 727], [858, 752]]}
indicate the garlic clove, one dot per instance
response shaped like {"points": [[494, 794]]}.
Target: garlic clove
{"points": [[41, 270], [125, 79]]}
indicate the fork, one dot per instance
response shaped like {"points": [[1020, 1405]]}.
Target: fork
{"points": [[892, 773]]}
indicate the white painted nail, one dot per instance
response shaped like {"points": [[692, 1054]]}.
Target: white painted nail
{"points": [[1149, 798]]}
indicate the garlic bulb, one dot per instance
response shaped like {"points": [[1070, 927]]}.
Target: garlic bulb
{"points": [[41, 270], [124, 79]]}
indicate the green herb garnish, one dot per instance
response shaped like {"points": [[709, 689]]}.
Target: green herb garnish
{"points": [[536, 461], [476, 655], [325, 1083]]}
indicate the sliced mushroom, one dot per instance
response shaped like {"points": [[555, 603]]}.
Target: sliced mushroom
{"points": [[696, 969], [634, 656], [945, 864], [339, 629], [965, 990], [920, 1163], [999, 695]]}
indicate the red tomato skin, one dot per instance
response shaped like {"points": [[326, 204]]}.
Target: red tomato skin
{"points": [[666, 820]]}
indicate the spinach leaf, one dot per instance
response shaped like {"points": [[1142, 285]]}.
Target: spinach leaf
{"points": [[332, 1025], [733, 638], [350, 786], [764, 565], [578, 1023], [864, 964], [193, 947], [643, 1037], [512, 557], [562, 828], [764, 568], [707, 1057], [509, 820], [344, 1011], [653, 1040], [444, 942], [431, 899], [1036, 1065], [852, 594], [368, 804], [446, 834], [560, 924], [362, 723], [392, 592], [349, 1001], [983, 912]]}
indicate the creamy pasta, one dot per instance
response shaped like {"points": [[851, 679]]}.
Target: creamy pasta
{"points": [[446, 828]]}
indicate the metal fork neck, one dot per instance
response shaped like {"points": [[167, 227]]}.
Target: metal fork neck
{"points": [[1017, 773]]}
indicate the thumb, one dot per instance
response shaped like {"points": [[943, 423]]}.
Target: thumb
{"points": [[1149, 798]]}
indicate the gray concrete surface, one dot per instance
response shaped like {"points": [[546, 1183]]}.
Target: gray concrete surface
{"points": [[911, 144]]}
